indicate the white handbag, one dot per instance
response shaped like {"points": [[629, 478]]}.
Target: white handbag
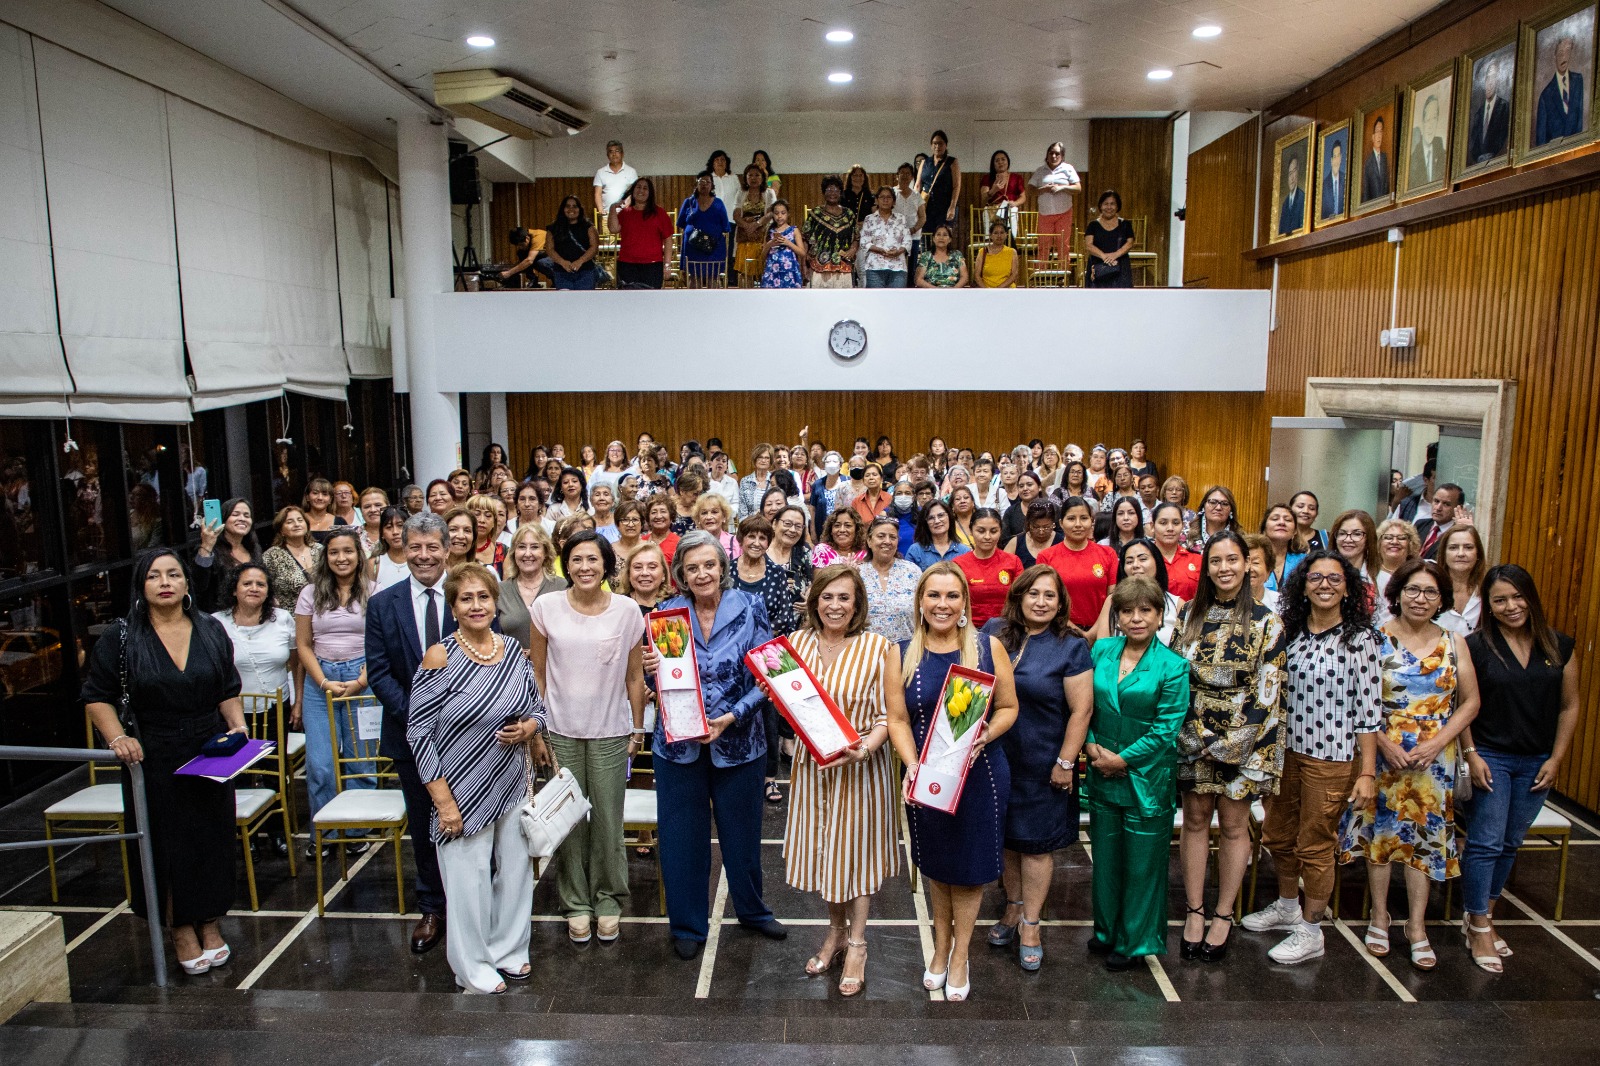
{"points": [[548, 816]]}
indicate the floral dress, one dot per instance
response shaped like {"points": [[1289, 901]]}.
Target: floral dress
{"points": [[1412, 817], [1232, 741], [945, 275], [889, 600], [783, 267]]}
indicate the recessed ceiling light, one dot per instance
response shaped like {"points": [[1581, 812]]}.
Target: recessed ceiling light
{"points": [[1208, 31], [840, 36], [478, 40], [1159, 74], [840, 77]]}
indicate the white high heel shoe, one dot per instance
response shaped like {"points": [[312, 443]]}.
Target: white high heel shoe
{"points": [[217, 956], [934, 981], [196, 966], [955, 993]]}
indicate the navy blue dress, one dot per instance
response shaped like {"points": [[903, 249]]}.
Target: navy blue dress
{"points": [[1041, 819], [961, 848]]}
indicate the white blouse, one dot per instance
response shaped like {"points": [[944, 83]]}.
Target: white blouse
{"points": [[261, 652]]}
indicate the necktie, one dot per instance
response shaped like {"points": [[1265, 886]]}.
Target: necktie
{"points": [[1433, 536], [1564, 94], [430, 621]]}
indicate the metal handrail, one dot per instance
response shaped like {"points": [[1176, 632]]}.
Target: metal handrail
{"points": [[141, 817]]}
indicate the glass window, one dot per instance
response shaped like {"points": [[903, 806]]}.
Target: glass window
{"points": [[88, 491], [143, 458], [38, 697], [24, 494]]}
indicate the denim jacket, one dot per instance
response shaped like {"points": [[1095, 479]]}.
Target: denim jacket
{"points": [[725, 682]]}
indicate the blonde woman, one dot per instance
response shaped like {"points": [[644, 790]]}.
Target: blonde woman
{"points": [[486, 547], [712, 513], [840, 840], [530, 573], [958, 853]]}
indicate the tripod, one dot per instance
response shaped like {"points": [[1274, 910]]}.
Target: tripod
{"points": [[467, 262]]}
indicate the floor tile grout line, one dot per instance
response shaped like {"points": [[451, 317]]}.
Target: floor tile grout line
{"points": [[1551, 928], [708, 955], [919, 904], [271, 958], [104, 920], [1163, 982], [59, 908], [1394, 983]]}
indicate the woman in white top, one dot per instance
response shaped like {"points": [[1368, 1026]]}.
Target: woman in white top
{"points": [[724, 183], [588, 655], [610, 470], [388, 565], [909, 205], [1140, 558], [1461, 552]]}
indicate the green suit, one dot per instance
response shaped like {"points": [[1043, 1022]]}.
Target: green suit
{"points": [[1130, 817]]}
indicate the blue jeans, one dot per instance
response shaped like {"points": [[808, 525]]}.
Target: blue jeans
{"points": [[583, 278], [321, 781], [1496, 823], [886, 279]]}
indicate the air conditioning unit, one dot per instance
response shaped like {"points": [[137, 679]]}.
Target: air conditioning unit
{"points": [[504, 103]]}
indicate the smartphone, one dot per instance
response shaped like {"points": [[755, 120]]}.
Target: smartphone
{"points": [[213, 512], [511, 720]]}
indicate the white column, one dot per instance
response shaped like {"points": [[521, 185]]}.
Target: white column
{"points": [[425, 233], [500, 426], [1180, 198]]}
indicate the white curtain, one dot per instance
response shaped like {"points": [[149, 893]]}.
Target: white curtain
{"points": [[33, 370], [302, 269], [111, 220], [361, 218], [222, 257]]}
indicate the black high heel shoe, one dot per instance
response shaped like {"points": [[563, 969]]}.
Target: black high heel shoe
{"points": [[1217, 952], [1190, 949]]}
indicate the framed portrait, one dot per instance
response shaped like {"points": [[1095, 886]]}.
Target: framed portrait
{"points": [[1372, 176], [1487, 79], [1555, 83], [1425, 144], [1291, 164], [1333, 174]]}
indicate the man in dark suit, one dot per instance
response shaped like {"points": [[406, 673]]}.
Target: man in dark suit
{"points": [[1489, 126], [1375, 171], [1427, 146], [402, 622], [1292, 214], [1331, 204], [1561, 102], [1446, 498]]}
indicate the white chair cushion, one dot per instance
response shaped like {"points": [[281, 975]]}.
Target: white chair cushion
{"points": [[363, 806], [638, 807], [1549, 818], [296, 743], [249, 802], [96, 800]]}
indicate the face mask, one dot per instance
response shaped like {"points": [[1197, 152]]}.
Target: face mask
{"points": [[902, 503], [857, 473], [830, 467]]}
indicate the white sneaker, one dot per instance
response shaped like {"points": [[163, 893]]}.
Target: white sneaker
{"points": [[1301, 945], [1279, 914]]}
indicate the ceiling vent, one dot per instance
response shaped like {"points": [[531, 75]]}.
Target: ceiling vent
{"points": [[504, 103]]}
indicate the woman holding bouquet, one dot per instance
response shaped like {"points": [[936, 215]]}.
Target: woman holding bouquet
{"points": [[958, 853], [840, 840]]}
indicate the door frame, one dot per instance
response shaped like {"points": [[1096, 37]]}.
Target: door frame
{"points": [[1489, 404]]}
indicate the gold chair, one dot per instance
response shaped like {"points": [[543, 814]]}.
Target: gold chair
{"points": [[253, 807], [92, 811], [1140, 258], [382, 808], [1550, 829]]}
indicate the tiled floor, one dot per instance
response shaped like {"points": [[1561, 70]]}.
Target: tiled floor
{"points": [[754, 992]]}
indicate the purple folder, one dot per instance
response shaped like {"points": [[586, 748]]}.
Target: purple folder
{"points": [[227, 767]]}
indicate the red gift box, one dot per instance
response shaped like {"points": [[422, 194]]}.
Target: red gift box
{"points": [[677, 677], [941, 773], [801, 699]]}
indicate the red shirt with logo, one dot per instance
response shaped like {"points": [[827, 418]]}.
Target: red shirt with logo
{"points": [[1088, 574], [989, 581], [1183, 574]]}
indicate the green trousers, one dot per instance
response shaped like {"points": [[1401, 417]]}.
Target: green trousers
{"points": [[592, 864], [1131, 855]]}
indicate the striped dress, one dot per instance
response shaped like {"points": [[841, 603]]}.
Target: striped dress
{"points": [[841, 835], [454, 716]]}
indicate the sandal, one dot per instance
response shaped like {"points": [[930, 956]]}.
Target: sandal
{"points": [[1377, 941], [1030, 956], [853, 986], [1422, 956], [1500, 946], [1486, 963], [1002, 935], [774, 794], [820, 964], [1191, 948]]}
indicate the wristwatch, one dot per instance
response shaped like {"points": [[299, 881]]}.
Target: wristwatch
{"points": [[1066, 765]]}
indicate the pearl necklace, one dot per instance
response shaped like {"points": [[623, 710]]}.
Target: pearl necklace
{"points": [[474, 654]]}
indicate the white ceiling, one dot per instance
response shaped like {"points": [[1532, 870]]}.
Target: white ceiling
{"points": [[992, 57]]}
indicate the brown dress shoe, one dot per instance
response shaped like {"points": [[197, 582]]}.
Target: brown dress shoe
{"points": [[427, 934]]}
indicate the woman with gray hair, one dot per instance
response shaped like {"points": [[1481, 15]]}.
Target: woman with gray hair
{"points": [[720, 775]]}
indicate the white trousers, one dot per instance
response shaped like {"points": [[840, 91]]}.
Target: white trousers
{"points": [[488, 891]]}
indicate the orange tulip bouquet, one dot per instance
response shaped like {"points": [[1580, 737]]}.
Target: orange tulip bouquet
{"points": [[678, 698]]}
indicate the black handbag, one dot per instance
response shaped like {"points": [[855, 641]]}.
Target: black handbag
{"points": [[124, 710], [1099, 270]]}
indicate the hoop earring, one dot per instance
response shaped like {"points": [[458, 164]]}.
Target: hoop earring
{"points": [[188, 603], [961, 623]]}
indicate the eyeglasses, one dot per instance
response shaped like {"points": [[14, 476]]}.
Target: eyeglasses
{"points": [[1393, 538], [1352, 534], [1419, 592], [1216, 503], [1324, 579]]}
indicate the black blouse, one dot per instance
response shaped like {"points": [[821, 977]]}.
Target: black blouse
{"points": [[162, 698], [1520, 706]]}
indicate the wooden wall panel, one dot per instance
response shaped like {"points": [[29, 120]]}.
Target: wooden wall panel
{"points": [[1134, 157], [1221, 213], [1213, 438]]}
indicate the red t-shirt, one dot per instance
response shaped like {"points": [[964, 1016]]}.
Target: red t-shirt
{"points": [[1183, 574], [668, 545], [1088, 575], [989, 581], [641, 236]]}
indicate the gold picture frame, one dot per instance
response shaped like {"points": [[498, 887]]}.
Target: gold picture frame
{"points": [[1545, 127], [1332, 186], [1291, 208], [1425, 142], [1486, 81], [1372, 177]]}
